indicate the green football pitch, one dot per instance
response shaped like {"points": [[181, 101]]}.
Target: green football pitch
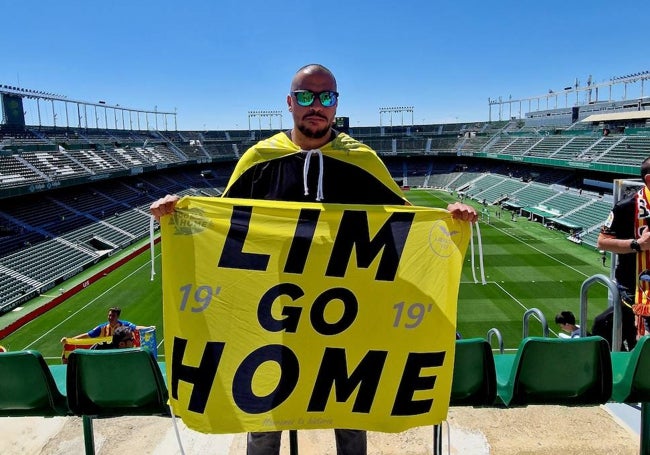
{"points": [[525, 266]]}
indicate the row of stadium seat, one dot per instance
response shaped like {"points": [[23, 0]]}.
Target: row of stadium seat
{"points": [[51, 163], [568, 372], [89, 386], [576, 371]]}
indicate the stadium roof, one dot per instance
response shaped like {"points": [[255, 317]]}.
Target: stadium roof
{"points": [[629, 115]]}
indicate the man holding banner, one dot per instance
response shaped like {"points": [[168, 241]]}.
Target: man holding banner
{"points": [[312, 164], [101, 335], [107, 328]]}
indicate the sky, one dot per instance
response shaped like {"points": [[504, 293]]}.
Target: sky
{"points": [[212, 62]]}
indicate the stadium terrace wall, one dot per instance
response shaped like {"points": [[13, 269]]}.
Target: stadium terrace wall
{"points": [[76, 181], [46, 186], [586, 165]]}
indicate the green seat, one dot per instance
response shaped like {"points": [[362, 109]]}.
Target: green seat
{"points": [[115, 382], [28, 387], [631, 374], [163, 370], [575, 371], [474, 380]]}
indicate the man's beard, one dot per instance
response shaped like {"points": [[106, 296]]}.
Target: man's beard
{"points": [[313, 134]]}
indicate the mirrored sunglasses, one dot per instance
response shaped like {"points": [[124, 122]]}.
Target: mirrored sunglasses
{"points": [[305, 98]]}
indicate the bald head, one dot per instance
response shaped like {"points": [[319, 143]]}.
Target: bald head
{"points": [[311, 70], [312, 120]]}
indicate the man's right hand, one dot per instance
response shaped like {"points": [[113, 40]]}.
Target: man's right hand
{"points": [[164, 206]]}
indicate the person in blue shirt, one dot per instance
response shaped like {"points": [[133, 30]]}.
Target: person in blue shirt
{"points": [[107, 328]]}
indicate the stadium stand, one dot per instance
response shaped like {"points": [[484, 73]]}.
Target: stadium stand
{"points": [[469, 145], [72, 196], [574, 147], [463, 179], [587, 216], [498, 191], [629, 150], [533, 194], [48, 237], [548, 145], [84, 192]]}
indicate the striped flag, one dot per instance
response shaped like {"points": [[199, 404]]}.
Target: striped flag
{"points": [[71, 344]]}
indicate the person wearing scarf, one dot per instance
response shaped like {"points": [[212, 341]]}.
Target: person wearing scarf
{"points": [[626, 233]]}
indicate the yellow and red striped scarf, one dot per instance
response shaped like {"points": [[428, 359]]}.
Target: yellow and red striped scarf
{"points": [[641, 305]]}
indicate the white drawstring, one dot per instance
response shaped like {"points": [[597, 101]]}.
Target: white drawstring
{"points": [[305, 171], [480, 252], [151, 247]]}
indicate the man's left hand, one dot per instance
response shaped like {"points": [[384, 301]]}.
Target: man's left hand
{"points": [[463, 212]]}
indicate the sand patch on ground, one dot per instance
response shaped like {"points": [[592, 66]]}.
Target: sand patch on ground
{"points": [[519, 431]]}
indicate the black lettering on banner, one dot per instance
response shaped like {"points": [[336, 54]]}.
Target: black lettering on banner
{"points": [[333, 372], [201, 377], [242, 390], [353, 231], [350, 310], [233, 255], [404, 404], [302, 238], [291, 313]]}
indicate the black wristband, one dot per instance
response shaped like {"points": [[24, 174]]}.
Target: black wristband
{"points": [[635, 246]]}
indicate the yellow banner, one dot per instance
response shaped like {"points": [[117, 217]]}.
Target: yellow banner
{"points": [[282, 315]]}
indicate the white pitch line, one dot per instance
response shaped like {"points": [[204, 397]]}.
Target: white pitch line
{"points": [[146, 264], [540, 251], [512, 297], [504, 230]]}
